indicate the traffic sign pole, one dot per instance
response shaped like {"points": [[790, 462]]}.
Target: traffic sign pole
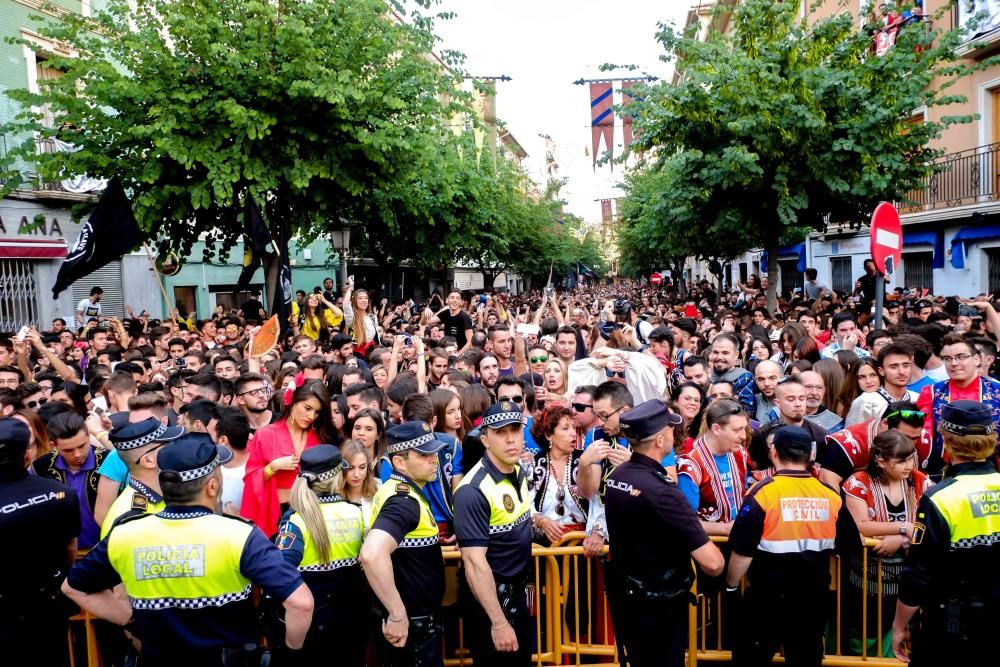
{"points": [[879, 297], [887, 247]]}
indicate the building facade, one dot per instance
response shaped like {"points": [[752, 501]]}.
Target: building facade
{"points": [[951, 233]]}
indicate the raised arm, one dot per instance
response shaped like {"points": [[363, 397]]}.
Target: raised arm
{"points": [[58, 365]]}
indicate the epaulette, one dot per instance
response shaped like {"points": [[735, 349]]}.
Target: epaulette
{"points": [[127, 517], [402, 489], [241, 519], [664, 476]]}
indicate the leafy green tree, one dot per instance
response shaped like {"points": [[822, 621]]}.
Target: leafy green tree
{"points": [[781, 126], [323, 111]]}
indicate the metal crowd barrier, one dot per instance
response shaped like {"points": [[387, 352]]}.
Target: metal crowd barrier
{"points": [[573, 626]]}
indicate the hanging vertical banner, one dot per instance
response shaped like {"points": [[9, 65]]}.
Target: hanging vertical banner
{"points": [[627, 116], [602, 117], [606, 211]]}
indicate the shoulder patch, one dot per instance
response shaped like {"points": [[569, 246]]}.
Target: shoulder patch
{"points": [[402, 488], [285, 540], [918, 532], [139, 502]]}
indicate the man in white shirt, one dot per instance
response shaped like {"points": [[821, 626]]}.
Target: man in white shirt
{"points": [[90, 307], [230, 427]]}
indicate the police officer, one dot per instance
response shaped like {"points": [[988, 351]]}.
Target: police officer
{"points": [[787, 529], [401, 555], [188, 571], [654, 536], [40, 520], [137, 445], [951, 571], [492, 512], [321, 536]]}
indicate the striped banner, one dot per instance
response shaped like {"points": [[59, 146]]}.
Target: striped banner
{"points": [[602, 117]]}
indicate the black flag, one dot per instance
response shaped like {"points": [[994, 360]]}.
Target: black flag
{"points": [[281, 303], [109, 233], [256, 246]]}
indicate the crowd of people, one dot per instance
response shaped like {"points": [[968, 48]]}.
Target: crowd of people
{"points": [[331, 469]]}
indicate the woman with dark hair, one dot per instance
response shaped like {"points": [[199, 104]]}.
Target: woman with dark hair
{"points": [[274, 454], [73, 394], [791, 334], [558, 505], [368, 428], [796, 367], [335, 377], [882, 500], [758, 349], [338, 414], [863, 379], [689, 397], [806, 349], [475, 399], [833, 379], [320, 319]]}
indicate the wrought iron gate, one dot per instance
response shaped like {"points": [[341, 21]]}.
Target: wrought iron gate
{"points": [[18, 305]]}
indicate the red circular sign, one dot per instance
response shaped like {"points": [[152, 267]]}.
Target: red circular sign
{"points": [[656, 280], [886, 238]]}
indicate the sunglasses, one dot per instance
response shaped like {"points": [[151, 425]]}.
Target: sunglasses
{"points": [[560, 501], [905, 414], [537, 360], [612, 374], [31, 405], [582, 407], [517, 398]]}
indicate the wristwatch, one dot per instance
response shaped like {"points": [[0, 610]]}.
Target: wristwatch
{"points": [[599, 529]]}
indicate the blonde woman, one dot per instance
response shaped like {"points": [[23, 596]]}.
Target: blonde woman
{"points": [[556, 380], [358, 483], [360, 320], [321, 535]]}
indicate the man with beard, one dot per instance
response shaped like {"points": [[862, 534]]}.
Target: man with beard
{"points": [[724, 357], [253, 395]]}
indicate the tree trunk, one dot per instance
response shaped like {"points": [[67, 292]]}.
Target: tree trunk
{"points": [[772, 276]]}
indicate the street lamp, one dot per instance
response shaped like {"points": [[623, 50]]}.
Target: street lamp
{"points": [[340, 239]]}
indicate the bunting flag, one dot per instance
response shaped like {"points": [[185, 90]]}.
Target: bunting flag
{"points": [[109, 233], [602, 116], [629, 118]]}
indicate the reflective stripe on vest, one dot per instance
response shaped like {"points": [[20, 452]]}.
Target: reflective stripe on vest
{"points": [[800, 515], [186, 563], [971, 506], [506, 510], [345, 527], [129, 500], [426, 532]]}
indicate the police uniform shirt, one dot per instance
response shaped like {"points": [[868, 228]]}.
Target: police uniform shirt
{"points": [[39, 517], [956, 539], [492, 510], [417, 563], [188, 572], [345, 527], [135, 500], [654, 528]]}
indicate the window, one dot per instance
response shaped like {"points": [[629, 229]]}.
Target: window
{"points": [[917, 272], [18, 307], [791, 277], [229, 298], [994, 269], [184, 301], [744, 272], [840, 275]]}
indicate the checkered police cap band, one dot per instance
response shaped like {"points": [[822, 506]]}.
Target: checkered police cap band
{"points": [[512, 416], [410, 444], [125, 445], [198, 473], [960, 429], [313, 477]]}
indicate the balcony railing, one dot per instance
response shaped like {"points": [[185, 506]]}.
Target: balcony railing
{"points": [[968, 177]]}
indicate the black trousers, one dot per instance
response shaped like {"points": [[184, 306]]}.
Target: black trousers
{"points": [[790, 619], [424, 647], [650, 632], [479, 633]]}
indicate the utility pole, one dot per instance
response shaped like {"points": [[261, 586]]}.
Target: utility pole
{"points": [[488, 107]]}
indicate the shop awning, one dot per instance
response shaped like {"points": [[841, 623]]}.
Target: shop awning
{"points": [[935, 239], [798, 249], [967, 234], [18, 248]]}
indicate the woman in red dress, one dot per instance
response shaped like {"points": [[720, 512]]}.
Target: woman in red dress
{"points": [[275, 451]]}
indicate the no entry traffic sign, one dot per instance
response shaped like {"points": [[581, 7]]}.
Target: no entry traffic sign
{"points": [[656, 280], [887, 238]]}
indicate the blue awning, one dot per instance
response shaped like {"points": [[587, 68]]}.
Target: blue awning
{"points": [[967, 234], [797, 249], [935, 239]]}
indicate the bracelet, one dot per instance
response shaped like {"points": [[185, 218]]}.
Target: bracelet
{"points": [[100, 435], [268, 470], [499, 627], [732, 589]]}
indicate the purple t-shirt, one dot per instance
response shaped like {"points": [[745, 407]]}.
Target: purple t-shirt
{"points": [[90, 532]]}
